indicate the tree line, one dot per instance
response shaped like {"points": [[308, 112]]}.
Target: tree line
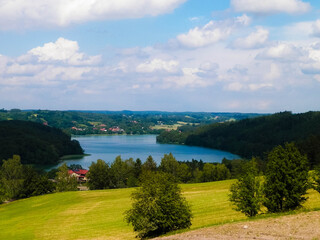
{"points": [[126, 173], [255, 137]]}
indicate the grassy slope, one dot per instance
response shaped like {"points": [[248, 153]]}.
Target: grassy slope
{"points": [[99, 214]]}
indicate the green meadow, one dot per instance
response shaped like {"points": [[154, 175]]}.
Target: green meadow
{"points": [[99, 214]]}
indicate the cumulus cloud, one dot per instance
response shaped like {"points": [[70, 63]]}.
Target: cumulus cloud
{"points": [[256, 39], [63, 50], [270, 6], [20, 14], [281, 51], [212, 32], [51, 64], [157, 65]]}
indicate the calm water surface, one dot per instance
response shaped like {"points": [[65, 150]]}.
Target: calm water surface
{"points": [[108, 148]]}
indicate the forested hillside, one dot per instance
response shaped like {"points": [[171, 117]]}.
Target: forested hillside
{"points": [[35, 142], [256, 136], [119, 122]]}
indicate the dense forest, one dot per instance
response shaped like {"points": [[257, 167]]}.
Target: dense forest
{"points": [[35, 142], [118, 122], [255, 136]]}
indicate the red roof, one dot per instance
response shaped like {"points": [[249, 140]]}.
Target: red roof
{"points": [[80, 171]]}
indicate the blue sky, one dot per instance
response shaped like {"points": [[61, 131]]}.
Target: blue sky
{"points": [[170, 55]]}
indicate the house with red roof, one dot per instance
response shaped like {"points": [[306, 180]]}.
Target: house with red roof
{"points": [[80, 174]]}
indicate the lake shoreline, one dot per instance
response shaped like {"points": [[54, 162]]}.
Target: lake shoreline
{"points": [[108, 147]]}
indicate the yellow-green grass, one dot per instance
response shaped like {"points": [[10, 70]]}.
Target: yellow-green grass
{"points": [[99, 214], [166, 127]]}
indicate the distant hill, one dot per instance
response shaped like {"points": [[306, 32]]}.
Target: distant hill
{"points": [[118, 122], [35, 142], [256, 136]]}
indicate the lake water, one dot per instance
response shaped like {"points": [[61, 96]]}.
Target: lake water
{"points": [[108, 148]]}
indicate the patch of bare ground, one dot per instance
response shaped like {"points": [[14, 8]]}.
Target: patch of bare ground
{"points": [[298, 226]]}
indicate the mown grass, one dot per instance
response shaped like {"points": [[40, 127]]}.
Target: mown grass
{"points": [[99, 214]]}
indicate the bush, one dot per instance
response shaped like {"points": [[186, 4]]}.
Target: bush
{"points": [[158, 206]]}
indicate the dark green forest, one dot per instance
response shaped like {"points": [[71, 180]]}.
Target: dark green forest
{"points": [[255, 136], [35, 142]]}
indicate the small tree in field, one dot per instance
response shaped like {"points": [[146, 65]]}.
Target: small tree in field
{"points": [[246, 193], [65, 182], [158, 206], [286, 179]]}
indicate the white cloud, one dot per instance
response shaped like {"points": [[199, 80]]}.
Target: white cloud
{"points": [[212, 32], [63, 50], [316, 28], [234, 86], [21, 14], [281, 51], [158, 65], [189, 79], [256, 39], [270, 6]]}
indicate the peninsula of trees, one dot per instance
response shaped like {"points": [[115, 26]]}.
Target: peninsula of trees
{"points": [[35, 143], [255, 136]]}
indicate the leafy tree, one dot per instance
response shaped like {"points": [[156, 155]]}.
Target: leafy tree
{"points": [[315, 179], [246, 193], [286, 179], [137, 168], [99, 175], [169, 164], [34, 183], [149, 165], [158, 206], [118, 173], [65, 182], [11, 177], [74, 167], [184, 173]]}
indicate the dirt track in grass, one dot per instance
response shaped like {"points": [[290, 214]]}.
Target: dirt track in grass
{"points": [[298, 226]]}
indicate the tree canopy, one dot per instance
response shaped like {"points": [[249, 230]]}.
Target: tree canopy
{"points": [[286, 179], [158, 206], [35, 143]]}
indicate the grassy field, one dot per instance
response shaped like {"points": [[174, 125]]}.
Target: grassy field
{"points": [[166, 127], [99, 214]]}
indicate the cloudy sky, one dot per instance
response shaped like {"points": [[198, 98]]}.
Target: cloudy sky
{"points": [[170, 55]]}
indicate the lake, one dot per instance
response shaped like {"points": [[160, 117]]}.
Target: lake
{"points": [[108, 148]]}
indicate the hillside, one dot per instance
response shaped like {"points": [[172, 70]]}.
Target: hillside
{"points": [[99, 214], [256, 136], [35, 143], [118, 122]]}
